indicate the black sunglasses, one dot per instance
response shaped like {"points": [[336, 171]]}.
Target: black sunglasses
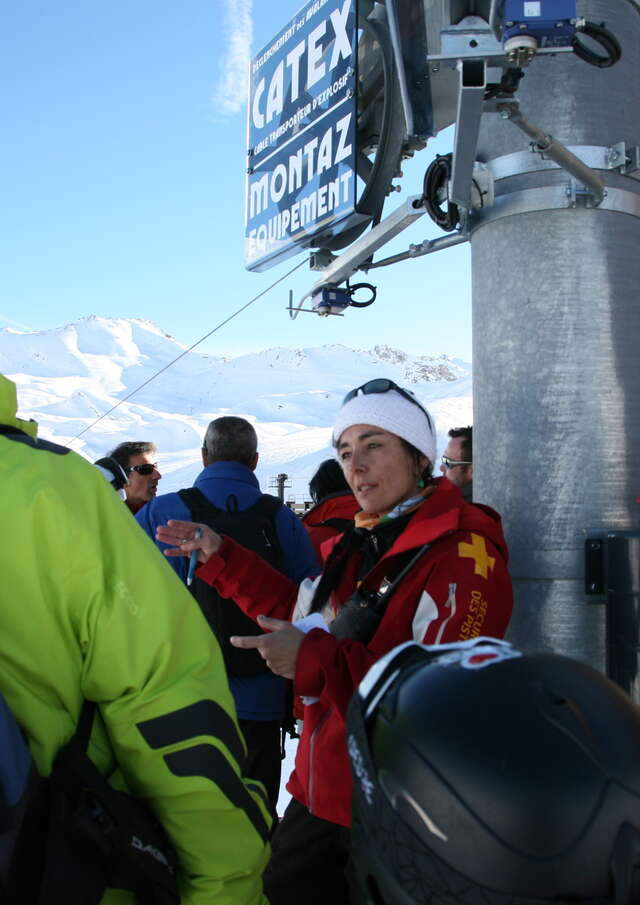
{"points": [[146, 469], [383, 385]]}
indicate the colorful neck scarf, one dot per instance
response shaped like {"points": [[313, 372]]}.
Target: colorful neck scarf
{"points": [[369, 520]]}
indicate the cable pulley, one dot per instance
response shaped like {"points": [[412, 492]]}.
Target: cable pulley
{"points": [[435, 193]]}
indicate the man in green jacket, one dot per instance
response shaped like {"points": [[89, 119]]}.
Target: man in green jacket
{"points": [[90, 610]]}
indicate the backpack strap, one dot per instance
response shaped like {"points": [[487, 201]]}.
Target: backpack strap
{"points": [[196, 502], [231, 504], [256, 529], [267, 505], [114, 835], [85, 724], [201, 509]]}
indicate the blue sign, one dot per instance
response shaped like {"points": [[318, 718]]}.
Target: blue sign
{"points": [[301, 174]]}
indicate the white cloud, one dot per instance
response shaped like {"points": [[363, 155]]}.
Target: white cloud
{"points": [[230, 93]]}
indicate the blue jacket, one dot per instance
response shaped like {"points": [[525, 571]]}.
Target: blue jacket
{"points": [[257, 697]]}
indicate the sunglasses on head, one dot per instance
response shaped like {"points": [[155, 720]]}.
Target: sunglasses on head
{"points": [[451, 463], [383, 385], [146, 469]]}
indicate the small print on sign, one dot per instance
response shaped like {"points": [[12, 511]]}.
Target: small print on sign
{"points": [[532, 8]]}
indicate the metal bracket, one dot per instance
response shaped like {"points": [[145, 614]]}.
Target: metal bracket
{"points": [[428, 247], [594, 566], [471, 38], [320, 260], [632, 166], [555, 150], [520, 162], [611, 564], [625, 161], [579, 195], [350, 260], [482, 183], [470, 107], [548, 198]]}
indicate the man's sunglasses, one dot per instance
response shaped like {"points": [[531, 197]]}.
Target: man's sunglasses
{"points": [[146, 469], [383, 385], [451, 463]]}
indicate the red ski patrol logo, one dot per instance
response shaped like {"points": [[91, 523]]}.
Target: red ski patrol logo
{"points": [[474, 654], [478, 660], [487, 655]]}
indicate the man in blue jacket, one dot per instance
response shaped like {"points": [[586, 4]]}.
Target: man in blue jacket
{"points": [[228, 481]]}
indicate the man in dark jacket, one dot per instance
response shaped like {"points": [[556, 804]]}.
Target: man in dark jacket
{"points": [[228, 481]]}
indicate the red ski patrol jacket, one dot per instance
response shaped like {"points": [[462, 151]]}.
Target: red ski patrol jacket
{"points": [[458, 589]]}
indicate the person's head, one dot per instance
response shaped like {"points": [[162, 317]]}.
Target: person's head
{"points": [[457, 459], [230, 439], [386, 443], [485, 775], [114, 473], [138, 460], [328, 478]]}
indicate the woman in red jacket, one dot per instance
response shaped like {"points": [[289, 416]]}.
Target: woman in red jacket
{"points": [[419, 563]]}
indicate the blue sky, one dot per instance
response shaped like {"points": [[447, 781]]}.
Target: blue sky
{"points": [[123, 185]]}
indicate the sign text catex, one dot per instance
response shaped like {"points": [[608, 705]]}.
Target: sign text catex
{"points": [[302, 127]]}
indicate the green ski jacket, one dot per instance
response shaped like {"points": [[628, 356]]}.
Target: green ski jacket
{"points": [[90, 609]]}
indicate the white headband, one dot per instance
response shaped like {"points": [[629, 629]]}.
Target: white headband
{"points": [[393, 413]]}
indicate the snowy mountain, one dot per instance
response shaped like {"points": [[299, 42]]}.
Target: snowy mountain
{"points": [[69, 377]]}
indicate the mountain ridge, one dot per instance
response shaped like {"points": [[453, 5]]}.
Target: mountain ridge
{"points": [[69, 378]]}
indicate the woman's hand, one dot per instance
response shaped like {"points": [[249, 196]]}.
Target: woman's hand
{"points": [[279, 648], [183, 540]]}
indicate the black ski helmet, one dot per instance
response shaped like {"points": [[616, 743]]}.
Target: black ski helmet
{"points": [[114, 473], [483, 776]]}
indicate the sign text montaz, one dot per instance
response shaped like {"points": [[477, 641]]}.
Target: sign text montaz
{"points": [[301, 180]]}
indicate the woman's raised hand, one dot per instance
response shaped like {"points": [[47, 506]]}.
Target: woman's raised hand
{"points": [[182, 539]]}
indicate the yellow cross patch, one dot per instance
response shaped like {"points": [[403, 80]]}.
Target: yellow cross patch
{"points": [[477, 551]]}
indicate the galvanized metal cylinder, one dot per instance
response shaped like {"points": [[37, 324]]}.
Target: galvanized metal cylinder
{"points": [[556, 343]]}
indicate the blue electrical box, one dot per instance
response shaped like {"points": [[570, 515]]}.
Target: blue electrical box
{"points": [[551, 22], [330, 300]]}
